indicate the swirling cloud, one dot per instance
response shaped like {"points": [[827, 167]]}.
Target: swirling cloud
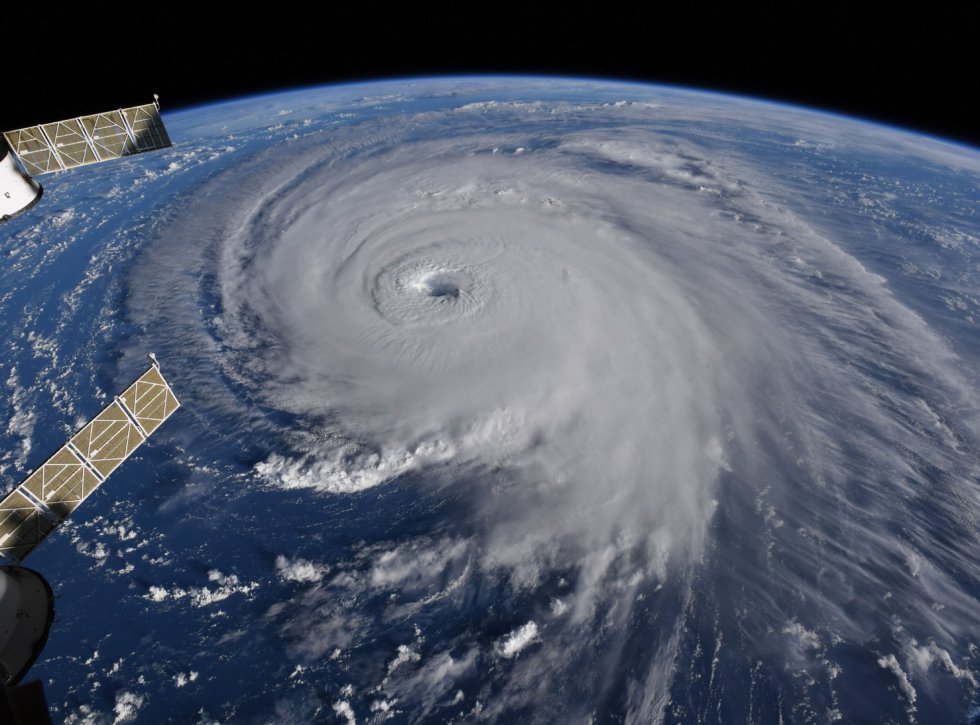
{"points": [[628, 348]]}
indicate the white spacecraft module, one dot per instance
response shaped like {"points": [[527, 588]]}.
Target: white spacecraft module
{"points": [[50, 494], [18, 191], [62, 145]]}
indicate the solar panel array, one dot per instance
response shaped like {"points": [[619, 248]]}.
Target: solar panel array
{"points": [[51, 493], [73, 142]]}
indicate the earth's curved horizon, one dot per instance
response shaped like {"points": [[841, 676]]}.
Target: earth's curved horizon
{"points": [[516, 398], [883, 123]]}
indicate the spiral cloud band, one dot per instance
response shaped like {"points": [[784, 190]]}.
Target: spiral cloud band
{"points": [[677, 419]]}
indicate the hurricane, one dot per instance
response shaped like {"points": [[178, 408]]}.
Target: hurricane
{"points": [[606, 404]]}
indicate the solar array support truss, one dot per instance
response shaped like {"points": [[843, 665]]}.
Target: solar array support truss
{"points": [[51, 493], [61, 145]]}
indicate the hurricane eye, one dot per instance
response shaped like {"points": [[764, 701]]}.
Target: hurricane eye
{"points": [[439, 285]]}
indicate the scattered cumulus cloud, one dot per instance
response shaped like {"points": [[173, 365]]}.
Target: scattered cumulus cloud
{"points": [[518, 640], [299, 570], [224, 586]]}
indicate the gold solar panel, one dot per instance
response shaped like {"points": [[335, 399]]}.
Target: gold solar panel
{"points": [[62, 483], [108, 134], [85, 140], [33, 150], [52, 492], [147, 127], [150, 400], [70, 143], [108, 440], [22, 526]]}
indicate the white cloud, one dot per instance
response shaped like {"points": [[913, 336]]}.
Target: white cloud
{"points": [[890, 663], [803, 638], [181, 679], [336, 474], [405, 654], [433, 681], [518, 640], [299, 570], [922, 658], [85, 715], [345, 711], [157, 594], [417, 564], [315, 623], [127, 706], [226, 585]]}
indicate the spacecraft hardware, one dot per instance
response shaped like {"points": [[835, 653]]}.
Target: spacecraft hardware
{"points": [[49, 147], [50, 494]]}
